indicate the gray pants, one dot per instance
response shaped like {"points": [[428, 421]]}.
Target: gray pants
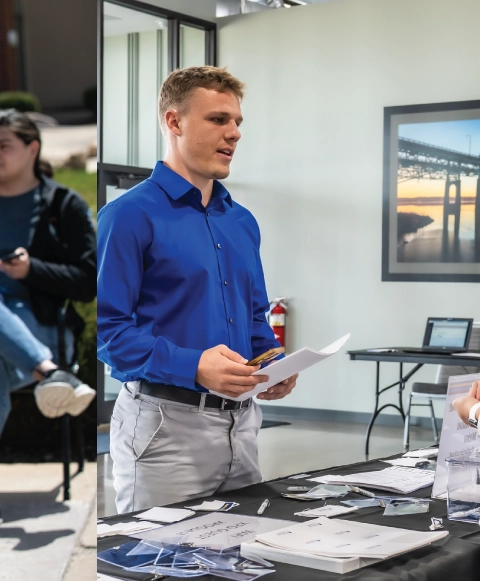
{"points": [[165, 452]]}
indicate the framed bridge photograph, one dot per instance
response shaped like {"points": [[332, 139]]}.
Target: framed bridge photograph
{"points": [[431, 193]]}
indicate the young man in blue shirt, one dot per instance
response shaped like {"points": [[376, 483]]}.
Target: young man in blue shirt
{"points": [[181, 308]]}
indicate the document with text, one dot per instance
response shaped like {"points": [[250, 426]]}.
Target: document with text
{"points": [[288, 366]]}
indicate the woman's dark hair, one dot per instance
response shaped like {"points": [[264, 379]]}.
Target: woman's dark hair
{"points": [[25, 129]]}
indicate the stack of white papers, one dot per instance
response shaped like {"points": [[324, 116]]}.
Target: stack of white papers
{"points": [[394, 479], [125, 528], [214, 505], [408, 462], [340, 538], [328, 511], [166, 515], [319, 493], [422, 453]]}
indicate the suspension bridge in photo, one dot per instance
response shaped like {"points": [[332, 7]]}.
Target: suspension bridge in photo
{"points": [[422, 160]]}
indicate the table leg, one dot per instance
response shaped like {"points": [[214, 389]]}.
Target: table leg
{"points": [[401, 387], [402, 381], [375, 411]]}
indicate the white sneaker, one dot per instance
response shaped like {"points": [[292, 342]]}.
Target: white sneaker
{"points": [[54, 393], [83, 395], [60, 393]]}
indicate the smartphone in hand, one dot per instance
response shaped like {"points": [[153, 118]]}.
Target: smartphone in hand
{"points": [[267, 356], [11, 256]]}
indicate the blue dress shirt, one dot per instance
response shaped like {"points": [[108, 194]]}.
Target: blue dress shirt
{"points": [[176, 278]]}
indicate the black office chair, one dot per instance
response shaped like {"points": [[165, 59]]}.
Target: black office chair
{"points": [[438, 390], [73, 367]]}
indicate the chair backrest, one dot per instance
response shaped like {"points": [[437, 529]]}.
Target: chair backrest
{"points": [[445, 371]]}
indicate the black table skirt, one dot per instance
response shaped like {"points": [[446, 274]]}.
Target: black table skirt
{"points": [[455, 558]]}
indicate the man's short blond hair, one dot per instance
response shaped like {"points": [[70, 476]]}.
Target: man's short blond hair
{"points": [[179, 85]]}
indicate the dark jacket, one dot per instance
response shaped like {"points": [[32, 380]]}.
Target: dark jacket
{"points": [[62, 255]]}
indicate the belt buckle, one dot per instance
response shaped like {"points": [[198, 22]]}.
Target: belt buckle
{"points": [[227, 402]]}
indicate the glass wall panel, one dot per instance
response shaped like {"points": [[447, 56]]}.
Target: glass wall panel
{"points": [[192, 46], [135, 64]]}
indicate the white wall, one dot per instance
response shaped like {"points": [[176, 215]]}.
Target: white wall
{"points": [[310, 168]]}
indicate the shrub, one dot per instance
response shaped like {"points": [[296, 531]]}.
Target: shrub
{"points": [[19, 100]]}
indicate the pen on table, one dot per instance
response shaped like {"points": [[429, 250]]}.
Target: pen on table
{"points": [[265, 504], [362, 491]]}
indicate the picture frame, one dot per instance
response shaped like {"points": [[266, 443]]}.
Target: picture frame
{"points": [[431, 193]]}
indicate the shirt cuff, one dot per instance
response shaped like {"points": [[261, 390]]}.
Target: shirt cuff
{"points": [[185, 366]]}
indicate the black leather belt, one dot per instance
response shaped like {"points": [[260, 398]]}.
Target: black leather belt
{"points": [[190, 397]]}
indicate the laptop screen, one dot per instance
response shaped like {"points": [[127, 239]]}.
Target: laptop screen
{"points": [[442, 332]]}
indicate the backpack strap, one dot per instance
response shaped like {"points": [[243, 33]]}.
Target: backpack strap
{"points": [[55, 198], [56, 207]]}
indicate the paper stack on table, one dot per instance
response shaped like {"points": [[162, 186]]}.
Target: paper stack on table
{"points": [[394, 479], [166, 515], [341, 538], [329, 510], [125, 528], [319, 492], [335, 545], [408, 462], [214, 506], [422, 453]]}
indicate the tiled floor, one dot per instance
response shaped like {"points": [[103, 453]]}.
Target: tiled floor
{"points": [[304, 445]]}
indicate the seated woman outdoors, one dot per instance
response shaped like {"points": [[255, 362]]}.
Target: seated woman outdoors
{"points": [[47, 255]]}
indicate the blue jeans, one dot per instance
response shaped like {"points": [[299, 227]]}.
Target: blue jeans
{"points": [[24, 344]]}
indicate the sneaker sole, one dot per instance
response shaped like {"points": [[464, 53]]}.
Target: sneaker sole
{"points": [[82, 397], [54, 399]]}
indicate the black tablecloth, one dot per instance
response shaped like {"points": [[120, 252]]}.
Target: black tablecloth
{"points": [[455, 558]]}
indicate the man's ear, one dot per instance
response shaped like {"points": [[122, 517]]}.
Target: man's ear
{"points": [[172, 121]]}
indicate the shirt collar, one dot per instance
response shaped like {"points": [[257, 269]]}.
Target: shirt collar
{"points": [[220, 192], [176, 186]]}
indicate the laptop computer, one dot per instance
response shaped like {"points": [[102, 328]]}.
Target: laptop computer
{"points": [[444, 335]]}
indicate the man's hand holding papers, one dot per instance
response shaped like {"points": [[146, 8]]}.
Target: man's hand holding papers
{"points": [[287, 369]]}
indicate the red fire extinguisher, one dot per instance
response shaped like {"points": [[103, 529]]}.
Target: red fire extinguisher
{"points": [[278, 310]]}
